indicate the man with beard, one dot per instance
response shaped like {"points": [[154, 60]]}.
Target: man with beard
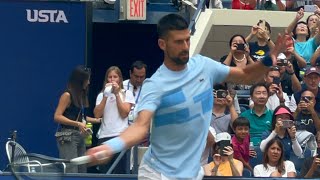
{"points": [[178, 99], [259, 116]]}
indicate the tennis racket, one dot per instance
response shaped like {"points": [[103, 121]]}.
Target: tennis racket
{"points": [[56, 169]]}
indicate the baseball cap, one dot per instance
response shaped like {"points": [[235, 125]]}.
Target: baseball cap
{"points": [[281, 56], [224, 136], [284, 111], [312, 70]]}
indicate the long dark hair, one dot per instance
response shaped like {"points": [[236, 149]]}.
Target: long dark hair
{"points": [[280, 164], [75, 86], [295, 29]]}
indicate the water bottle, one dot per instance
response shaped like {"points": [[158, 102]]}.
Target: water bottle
{"points": [[251, 148], [88, 140]]}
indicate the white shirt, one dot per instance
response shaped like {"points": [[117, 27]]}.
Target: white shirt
{"points": [[260, 171], [112, 124], [273, 101]]}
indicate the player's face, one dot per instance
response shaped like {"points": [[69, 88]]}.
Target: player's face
{"points": [[176, 46]]}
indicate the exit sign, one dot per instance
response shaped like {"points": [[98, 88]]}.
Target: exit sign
{"points": [[133, 9]]}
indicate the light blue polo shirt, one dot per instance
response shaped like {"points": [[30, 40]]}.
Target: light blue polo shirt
{"points": [[182, 103], [306, 49]]}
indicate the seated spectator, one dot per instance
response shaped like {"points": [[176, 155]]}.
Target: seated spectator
{"points": [[259, 116], [240, 142], [311, 165], [276, 95], [283, 131], [244, 4], [273, 164], [223, 163], [289, 79], [223, 112], [260, 48], [303, 44], [237, 57], [275, 5], [305, 115], [311, 81]]}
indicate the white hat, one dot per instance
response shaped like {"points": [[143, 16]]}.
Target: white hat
{"points": [[224, 136], [281, 56]]}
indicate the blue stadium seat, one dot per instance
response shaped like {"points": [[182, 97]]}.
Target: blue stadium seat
{"points": [[258, 160], [246, 173]]}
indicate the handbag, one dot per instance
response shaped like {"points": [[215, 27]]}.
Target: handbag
{"points": [[64, 135]]}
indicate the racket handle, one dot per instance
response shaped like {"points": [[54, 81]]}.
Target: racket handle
{"points": [[87, 159]]}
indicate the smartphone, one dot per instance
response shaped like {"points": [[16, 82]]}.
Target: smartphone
{"points": [[222, 144], [309, 8], [240, 47], [262, 24], [306, 99], [287, 123], [222, 94], [318, 152], [276, 80]]}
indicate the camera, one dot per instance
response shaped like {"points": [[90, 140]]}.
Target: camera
{"points": [[287, 123], [276, 80], [282, 62], [222, 93], [222, 144], [241, 47]]}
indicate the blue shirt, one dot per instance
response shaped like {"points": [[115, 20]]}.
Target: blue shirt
{"points": [[286, 142], [306, 49], [182, 103]]}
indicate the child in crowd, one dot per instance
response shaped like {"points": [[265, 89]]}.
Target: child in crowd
{"points": [[240, 141]]}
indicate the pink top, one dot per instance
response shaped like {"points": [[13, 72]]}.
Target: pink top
{"points": [[241, 149]]}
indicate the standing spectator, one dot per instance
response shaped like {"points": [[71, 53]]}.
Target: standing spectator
{"points": [[303, 44], [273, 164], [262, 46], [134, 84], [241, 141], [286, 134], [113, 105], [223, 112], [311, 165], [259, 116], [71, 115], [237, 57], [223, 163], [312, 21], [244, 4]]}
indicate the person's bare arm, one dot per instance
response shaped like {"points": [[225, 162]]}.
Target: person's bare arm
{"points": [[99, 109], [123, 107], [253, 3], [299, 16], [281, 6], [314, 57]]}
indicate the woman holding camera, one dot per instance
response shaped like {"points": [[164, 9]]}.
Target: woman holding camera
{"points": [[113, 105], [284, 130], [223, 163], [273, 164]]}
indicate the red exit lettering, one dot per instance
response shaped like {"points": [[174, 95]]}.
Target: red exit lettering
{"points": [[136, 8]]}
